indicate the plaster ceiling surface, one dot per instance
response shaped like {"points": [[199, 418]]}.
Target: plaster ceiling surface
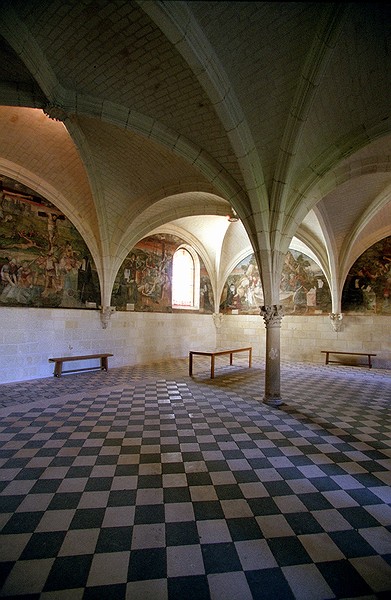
{"points": [[132, 115]]}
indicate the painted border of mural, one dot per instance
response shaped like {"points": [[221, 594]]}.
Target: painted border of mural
{"points": [[44, 261]]}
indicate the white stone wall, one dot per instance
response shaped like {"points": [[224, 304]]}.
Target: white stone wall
{"points": [[28, 337], [303, 337]]}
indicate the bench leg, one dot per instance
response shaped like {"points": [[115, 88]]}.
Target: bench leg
{"points": [[190, 364], [212, 366], [327, 358], [369, 361], [250, 357], [230, 358], [57, 369], [104, 363]]}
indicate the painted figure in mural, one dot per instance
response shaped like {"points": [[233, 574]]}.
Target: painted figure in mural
{"points": [[52, 229], [152, 287], [300, 299], [68, 268], [17, 284], [386, 295], [88, 287], [358, 290], [323, 296], [228, 296], [25, 283], [206, 300], [311, 298], [8, 273], [9, 280], [52, 284]]}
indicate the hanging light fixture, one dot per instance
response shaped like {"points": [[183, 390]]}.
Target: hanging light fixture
{"points": [[233, 217]]}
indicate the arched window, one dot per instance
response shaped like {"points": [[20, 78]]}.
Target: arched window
{"points": [[185, 278]]}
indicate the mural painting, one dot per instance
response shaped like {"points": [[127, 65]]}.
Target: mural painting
{"points": [[44, 261], [367, 287], [144, 281], [303, 288]]}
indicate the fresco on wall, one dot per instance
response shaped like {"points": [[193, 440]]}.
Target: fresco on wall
{"points": [[44, 261], [144, 281], [367, 287], [303, 289]]}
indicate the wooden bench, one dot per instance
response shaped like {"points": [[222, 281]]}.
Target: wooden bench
{"points": [[59, 361], [213, 354], [367, 354]]}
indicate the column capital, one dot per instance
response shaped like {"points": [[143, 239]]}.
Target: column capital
{"points": [[336, 321], [218, 319], [105, 314], [272, 315]]}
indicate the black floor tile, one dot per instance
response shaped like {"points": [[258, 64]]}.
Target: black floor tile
{"points": [[105, 592], [68, 572], [244, 529], [269, 584], [352, 544], [122, 498], [263, 506], [208, 510], [315, 501], [182, 533], [303, 523], [114, 539], [288, 551], [46, 486], [343, 579], [87, 518], [358, 517], [147, 564], [66, 500], [176, 494], [193, 587], [149, 513], [278, 488], [43, 545], [23, 522], [220, 558]]}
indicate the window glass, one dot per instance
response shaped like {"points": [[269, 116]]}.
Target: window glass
{"points": [[183, 279]]}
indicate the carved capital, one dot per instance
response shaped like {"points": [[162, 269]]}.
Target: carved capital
{"points": [[105, 314], [218, 319], [336, 321], [272, 315], [55, 112]]}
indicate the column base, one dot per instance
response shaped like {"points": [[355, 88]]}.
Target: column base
{"points": [[273, 401]]}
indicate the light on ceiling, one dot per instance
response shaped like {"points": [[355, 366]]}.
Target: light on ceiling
{"points": [[233, 217]]}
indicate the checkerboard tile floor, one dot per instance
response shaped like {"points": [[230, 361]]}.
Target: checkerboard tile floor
{"points": [[144, 484]]}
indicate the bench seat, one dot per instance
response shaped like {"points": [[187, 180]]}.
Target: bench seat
{"points": [[59, 361], [213, 354], [337, 352]]}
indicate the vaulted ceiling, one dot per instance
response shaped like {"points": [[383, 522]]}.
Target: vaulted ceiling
{"points": [[141, 116]]}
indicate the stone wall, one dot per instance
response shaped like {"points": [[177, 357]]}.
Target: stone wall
{"points": [[28, 337]]}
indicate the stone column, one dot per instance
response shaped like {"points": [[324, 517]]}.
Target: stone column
{"points": [[272, 316]]}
